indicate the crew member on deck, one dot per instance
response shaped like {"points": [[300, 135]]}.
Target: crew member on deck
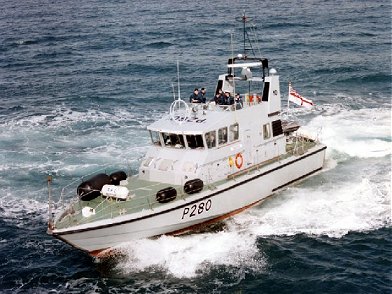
{"points": [[202, 95], [228, 99], [238, 101], [218, 98], [195, 98]]}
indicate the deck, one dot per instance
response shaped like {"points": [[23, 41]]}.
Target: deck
{"points": [[142, 193]]}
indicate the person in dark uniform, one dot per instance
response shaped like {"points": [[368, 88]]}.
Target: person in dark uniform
{"points": [[228, 99], [238, 101], [218, 97], [194, 98], [202, 95], [231, 100]]}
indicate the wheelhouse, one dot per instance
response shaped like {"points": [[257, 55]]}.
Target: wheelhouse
{"points": [[206, 140]]}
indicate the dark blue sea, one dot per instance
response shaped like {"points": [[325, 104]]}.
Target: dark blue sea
{"points": [[81, 80]]}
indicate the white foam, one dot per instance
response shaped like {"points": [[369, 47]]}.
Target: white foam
{"points": [[189, 256], [62, 116], [18, 211], [63, 140], [332, 210], [363, 133]]}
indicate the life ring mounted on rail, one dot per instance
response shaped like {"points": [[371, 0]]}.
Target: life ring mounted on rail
{"points": [[239, 160]]}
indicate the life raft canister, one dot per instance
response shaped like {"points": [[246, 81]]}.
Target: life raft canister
{"points": [[116, 192], [239, 160]]}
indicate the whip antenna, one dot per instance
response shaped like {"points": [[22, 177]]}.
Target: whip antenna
{"points": [[174, 92], [178, 79]]}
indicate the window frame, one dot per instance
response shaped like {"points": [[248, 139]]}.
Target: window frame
{"points": [[207, 135], [236, 133], [178, 143], [197, 141], [225, 136], [159, 141], [266, 131]]}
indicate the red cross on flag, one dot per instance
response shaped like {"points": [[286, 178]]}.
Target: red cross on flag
{"points": [[298, 99]]}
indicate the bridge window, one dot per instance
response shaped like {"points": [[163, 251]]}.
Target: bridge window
{"points": [[234, 132], [211, 139], [195, 141], [222, 136], [155, 138], [173, 140]]}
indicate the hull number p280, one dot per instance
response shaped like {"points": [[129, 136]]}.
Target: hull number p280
{"points": [[197, 208]]}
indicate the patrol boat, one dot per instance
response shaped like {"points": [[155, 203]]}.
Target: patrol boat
{"points": [[206, 162]]}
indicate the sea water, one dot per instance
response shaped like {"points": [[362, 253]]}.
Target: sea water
{"points": [[81, 80]]}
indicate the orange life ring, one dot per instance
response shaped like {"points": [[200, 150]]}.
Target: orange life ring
{"points": [[239, 160]]}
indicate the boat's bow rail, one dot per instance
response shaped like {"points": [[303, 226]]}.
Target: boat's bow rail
{"points": [[68, 196], [142, 198]]}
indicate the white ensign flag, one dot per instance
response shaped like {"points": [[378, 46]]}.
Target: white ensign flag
{"points": [[298, 99]]}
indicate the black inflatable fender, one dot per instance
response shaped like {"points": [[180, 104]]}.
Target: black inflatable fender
{"points": [[166, 195], [91, 188], [193, 186], [117, 177]]}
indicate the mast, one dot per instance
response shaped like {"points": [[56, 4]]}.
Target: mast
{"points": [[244, 19]]}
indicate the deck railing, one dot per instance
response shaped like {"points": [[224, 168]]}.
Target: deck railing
{"points": [[104, 207], [232, 107]]}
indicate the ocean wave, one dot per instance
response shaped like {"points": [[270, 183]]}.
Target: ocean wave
{"points": [[362, 133], [382, 78], [159, 45], [359, 206], [190, 256], [62, 116], [21, 211]]}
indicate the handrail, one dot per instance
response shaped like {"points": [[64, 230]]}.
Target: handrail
{"points": [[210, 105], [80, 179], [145, 203]]}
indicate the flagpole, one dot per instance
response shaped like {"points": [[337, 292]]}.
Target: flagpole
{"points": [[288, 98]]}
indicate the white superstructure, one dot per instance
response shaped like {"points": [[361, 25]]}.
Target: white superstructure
{"points": [[213, 138]]}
